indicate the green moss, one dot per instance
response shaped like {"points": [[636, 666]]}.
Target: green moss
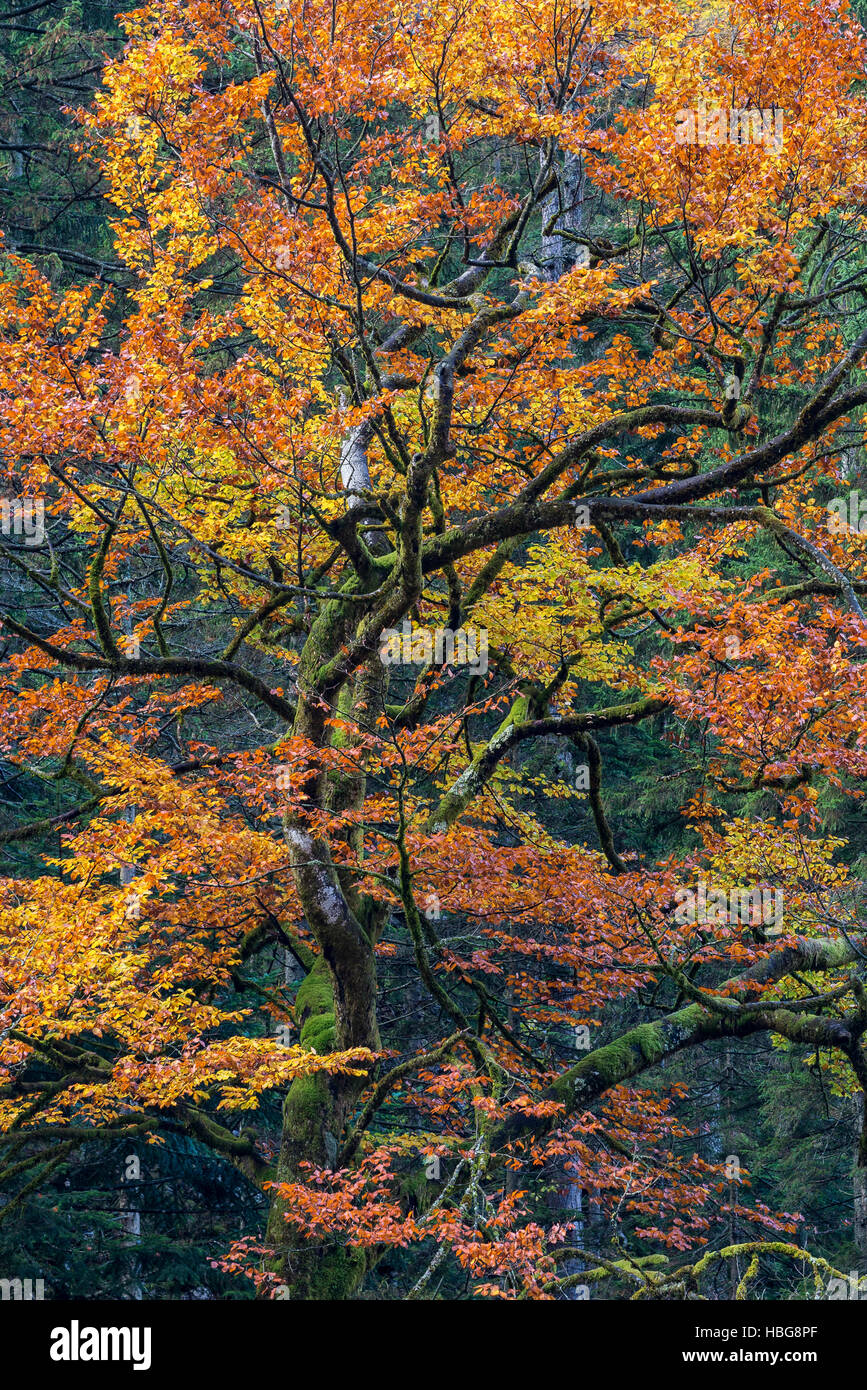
{"points": [[338, 1275], [517, 714], [314, 992], [650, 1041], [414, 1187], [305, 1103], [616, 1061], [319, 1033], [612, 1062], [314, 1004]]}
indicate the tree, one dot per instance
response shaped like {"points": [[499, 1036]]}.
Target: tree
{"points": [[467, 410]]}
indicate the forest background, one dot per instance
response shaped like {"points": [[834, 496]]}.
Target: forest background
{"points": [[332, 965]]}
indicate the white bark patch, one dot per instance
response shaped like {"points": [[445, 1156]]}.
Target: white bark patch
{"points": [[354, 470], [329, 902]]}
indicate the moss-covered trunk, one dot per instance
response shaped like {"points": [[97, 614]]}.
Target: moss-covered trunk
{"points": [[335, 1005]]}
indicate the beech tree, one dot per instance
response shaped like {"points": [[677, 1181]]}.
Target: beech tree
{"points": [[478, 382]]}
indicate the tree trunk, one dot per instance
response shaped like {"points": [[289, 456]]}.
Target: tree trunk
{"points": [[859, 1185], [335, 1005]]}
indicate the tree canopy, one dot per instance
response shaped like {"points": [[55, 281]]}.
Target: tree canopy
{"points": [[433, 700]]}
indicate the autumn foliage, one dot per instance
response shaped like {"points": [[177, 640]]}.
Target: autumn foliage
{"points": [[429, 316]]}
